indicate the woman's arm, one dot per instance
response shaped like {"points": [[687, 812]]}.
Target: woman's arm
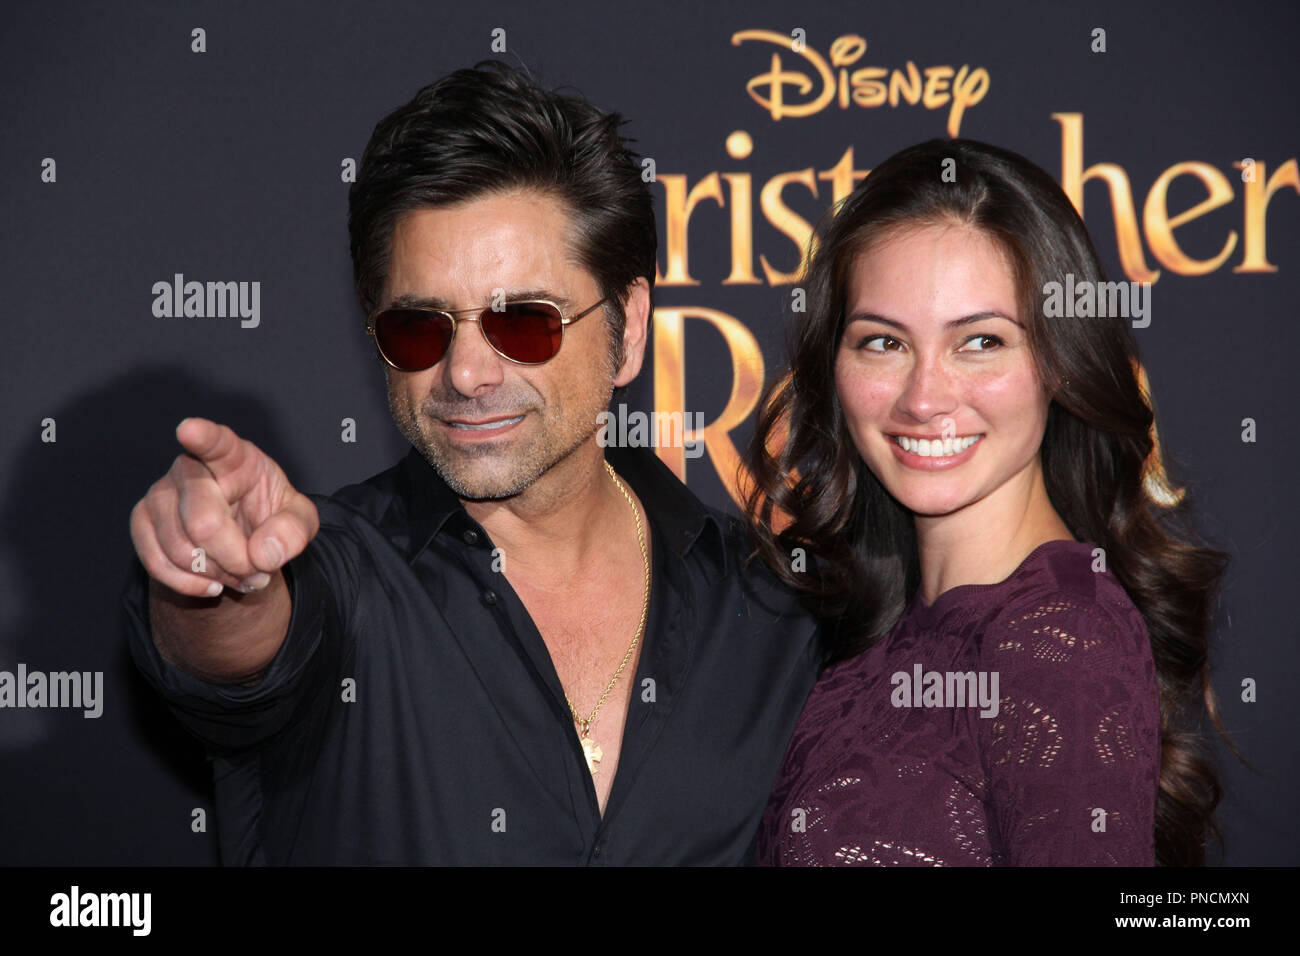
{"points": [[1073, 754]]}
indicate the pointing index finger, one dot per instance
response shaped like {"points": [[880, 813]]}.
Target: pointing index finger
{"points": [[224, 455], [217, 446]]}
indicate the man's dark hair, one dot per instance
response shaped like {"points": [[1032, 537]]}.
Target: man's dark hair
{"points": [[490, 129]]}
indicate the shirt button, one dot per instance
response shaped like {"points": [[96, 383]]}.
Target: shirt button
{"points": [[470, 536], [489, 597]]}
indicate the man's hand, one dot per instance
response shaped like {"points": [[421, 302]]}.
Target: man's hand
{"points": [[224, 514], [223, 517]]}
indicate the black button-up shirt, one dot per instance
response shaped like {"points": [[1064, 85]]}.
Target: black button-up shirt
{"points": [[413, 714]]}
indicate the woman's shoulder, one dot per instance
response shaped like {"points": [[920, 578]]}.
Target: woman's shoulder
{"points": [[1066, 606]]}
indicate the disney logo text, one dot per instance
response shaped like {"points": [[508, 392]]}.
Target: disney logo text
{"points": [[866, 86]]}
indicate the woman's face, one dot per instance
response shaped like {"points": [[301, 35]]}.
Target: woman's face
{"points": [[934, 371]]}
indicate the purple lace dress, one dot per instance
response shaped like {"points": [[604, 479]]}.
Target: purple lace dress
{"points": [[914, 753]]}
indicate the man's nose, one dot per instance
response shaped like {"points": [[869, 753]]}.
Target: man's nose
{"points": [[471, 365]]}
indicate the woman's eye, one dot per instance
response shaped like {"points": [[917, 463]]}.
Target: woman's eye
{"points": [[987, 343], [878, 343]]}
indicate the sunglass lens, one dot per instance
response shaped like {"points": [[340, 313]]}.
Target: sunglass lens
{"points": [[524, 331], [412, 339]]}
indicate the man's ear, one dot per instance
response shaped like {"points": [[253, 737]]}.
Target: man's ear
{"points": [[636, 328]]}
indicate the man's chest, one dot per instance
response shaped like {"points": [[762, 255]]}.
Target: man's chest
{"points": [[595, 655], [453, 696]]}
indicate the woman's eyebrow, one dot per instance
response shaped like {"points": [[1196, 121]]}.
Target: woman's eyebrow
{"points": [[955, 323]]}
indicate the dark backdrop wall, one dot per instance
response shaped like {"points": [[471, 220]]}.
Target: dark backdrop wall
{"points": [[215, 140]]}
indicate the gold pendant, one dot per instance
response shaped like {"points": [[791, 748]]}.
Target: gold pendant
{"points": [[592, 753]]}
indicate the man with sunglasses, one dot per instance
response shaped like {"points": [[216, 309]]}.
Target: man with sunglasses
{"points": [[515, 646]]}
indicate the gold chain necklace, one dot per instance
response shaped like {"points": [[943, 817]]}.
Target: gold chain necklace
{"points": [[589, 748]]}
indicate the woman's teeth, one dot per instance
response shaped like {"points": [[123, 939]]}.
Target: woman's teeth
{"points": [[936, 447]]}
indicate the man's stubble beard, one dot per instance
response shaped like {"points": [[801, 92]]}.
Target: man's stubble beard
{"points": [[555, 442]]}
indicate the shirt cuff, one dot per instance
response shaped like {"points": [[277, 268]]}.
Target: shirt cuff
{"points": [[231, 717]]}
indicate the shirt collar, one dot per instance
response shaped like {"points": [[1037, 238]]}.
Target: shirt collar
{"points": [[676, 512]]}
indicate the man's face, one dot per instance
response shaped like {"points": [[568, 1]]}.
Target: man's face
{"points": [[490, 426]]}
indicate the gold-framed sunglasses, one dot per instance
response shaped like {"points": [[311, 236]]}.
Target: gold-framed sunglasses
{"points": [[414, 338]]}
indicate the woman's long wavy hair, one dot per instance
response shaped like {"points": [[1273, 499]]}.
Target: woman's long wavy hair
{"points": [[1096, 447]]}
